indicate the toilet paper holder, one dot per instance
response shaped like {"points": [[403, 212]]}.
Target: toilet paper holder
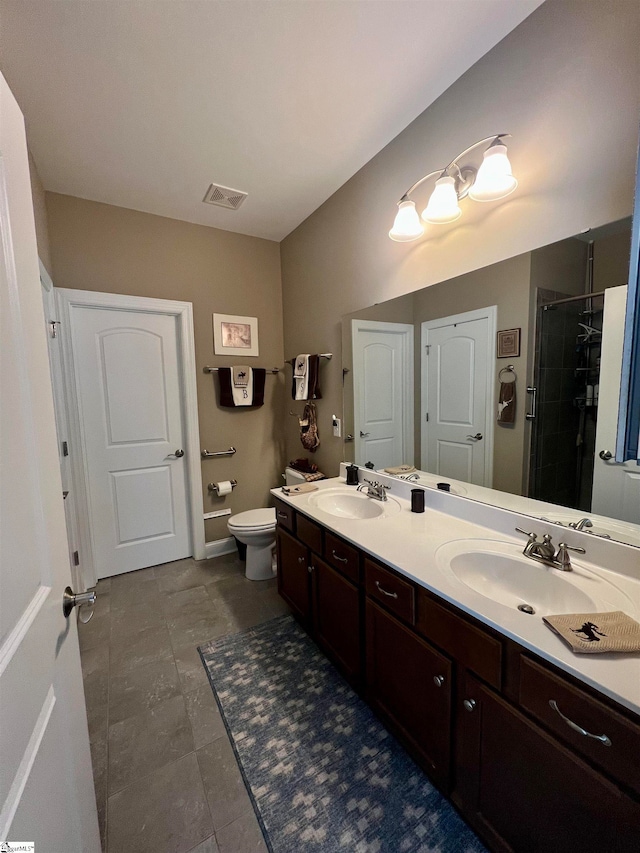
{"points": [[213, 487]]}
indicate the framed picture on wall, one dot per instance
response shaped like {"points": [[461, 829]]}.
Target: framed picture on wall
{"points": [[234, 335], [509, 343]]}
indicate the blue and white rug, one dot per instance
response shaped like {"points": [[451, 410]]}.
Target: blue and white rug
{"points": [[323, 773]]}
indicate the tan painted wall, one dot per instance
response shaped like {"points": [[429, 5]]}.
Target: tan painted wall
{"points": [[40, 214], [566, 84], [104, 248]]}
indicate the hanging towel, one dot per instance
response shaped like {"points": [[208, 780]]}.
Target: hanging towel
{"points": [[313, 390], [309, 428], [301, 377], [591, 633], [229, 393], [241, 374], [507, 403], [242, 394]]}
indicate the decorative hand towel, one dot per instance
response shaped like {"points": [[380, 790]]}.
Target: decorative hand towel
{"points": [[313, 389], [254, 392], [507, 403], [242, 394], [301, 377], [401, 469], [309, 428], [594, 633], [241, 374], [302, 489]]}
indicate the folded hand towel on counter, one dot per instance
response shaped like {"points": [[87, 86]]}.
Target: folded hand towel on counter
{"points": [[401, 469], [595, 633], [301, 377], [254, 391], [507, 403], [302, 489]]}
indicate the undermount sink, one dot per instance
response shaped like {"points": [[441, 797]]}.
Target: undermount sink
{"points": [[499, 571], [348, 503]]}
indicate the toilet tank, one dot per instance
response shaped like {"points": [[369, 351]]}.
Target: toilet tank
{"points": [[292, 477]]}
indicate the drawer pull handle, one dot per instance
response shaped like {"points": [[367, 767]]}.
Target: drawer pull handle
{"points": [[282, 515], [384, 591], [340, 559], [302, 559], [438, 680], [604, 740]]}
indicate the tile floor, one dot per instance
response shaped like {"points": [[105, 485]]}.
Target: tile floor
{"points": [[166, 778]]}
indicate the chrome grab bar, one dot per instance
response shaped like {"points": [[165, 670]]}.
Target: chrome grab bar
{"points": [[533, 414], [207, 454]]}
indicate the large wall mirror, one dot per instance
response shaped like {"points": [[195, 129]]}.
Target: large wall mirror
{"points": [[504, 383]]}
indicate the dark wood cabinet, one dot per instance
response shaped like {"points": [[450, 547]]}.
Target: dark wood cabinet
{"points": [[526, 792], [410, 683], [474, 708]]}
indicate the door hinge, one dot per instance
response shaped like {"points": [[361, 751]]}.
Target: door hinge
{"points": [[76, 558], [426, 417], [427, 348], [53, 330], [65, 448]]}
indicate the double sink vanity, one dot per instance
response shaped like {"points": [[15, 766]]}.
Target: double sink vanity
{"points": [[435, 618]]}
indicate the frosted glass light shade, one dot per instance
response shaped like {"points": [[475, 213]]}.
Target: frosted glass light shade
{"points": [[494, 179], [407, 225], [443, 205]]}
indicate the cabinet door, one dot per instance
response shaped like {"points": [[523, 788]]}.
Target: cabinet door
{"points": [[337, 618], [409, 682], [526, 792], [293, 575]]}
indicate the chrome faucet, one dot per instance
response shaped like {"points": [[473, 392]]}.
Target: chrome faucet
{"points": [[580, 525], [374, 489], [409, 477], [544, 552]]}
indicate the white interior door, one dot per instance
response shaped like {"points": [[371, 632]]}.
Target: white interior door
{"points": [[127, 375], [383, 392], [616, 485], [458, 354], [46, 785]]}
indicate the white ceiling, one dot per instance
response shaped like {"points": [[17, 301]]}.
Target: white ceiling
{"points": [[144, 103]]}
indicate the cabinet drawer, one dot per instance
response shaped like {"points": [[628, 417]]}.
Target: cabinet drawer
{"points": [[285, 516], [341, 556], [472, 647], [396, 594], [539, 687], [309, 532]]}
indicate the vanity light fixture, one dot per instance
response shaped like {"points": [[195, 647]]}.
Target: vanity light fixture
{"points": [[492, 181]]}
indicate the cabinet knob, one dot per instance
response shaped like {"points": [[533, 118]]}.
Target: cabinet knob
{"points": [[310, 569], [438, 680], [469, 705], [301, 559]]}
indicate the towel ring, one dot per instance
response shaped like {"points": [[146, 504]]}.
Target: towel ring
{"points": [[508, 369]]}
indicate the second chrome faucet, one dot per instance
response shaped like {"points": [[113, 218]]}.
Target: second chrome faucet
{"points": [[544, 552]]}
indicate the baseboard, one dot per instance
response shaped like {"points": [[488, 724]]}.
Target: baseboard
{"points": [[219, 547]]}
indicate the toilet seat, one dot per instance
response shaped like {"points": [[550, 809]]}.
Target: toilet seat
{"points": [[253, 519]]}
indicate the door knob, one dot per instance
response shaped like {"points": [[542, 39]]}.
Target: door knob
{"points": [[363, 434], [179, 454], [71, 600], [477, 437], [606, 455]]}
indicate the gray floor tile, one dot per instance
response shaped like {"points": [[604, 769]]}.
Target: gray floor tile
{"points": [[186, 631], [148, 741], [184, 574], [151, 645], [95, 660], [209, 845], [96, 689], [138, 690], [226, 793], [95, 632], [242, 836], [204, 714], [129, 621], [190, 668], [99, 763], [132, 587], [166, 812], [102, 607], [103, 586]]}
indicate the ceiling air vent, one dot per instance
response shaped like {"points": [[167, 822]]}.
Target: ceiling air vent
{"points": [[224, 197]]}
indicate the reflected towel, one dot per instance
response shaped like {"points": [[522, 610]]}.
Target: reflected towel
{"points": [[401, 469], [507, 403], [301, 377], [594, 633]]}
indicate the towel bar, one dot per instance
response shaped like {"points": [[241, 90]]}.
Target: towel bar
{"points": [[208, 369], [327, 355], [208, 454], [213, 487]]}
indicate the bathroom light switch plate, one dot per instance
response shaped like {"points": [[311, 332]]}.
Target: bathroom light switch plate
{"points": [[216, 514], [337, 427]]}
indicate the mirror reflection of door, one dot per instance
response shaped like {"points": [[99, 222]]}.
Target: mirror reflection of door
{"points": [[383, 392], [458, 354]]}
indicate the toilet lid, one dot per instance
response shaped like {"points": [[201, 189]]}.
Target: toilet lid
{"points": [[254, 518]]}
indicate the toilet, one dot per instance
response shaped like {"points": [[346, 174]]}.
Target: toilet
{"points": [[256, 528]]}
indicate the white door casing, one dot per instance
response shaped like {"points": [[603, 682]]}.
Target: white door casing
{"points": [[457, 395], [46, 783], [383, 392], [616, 485], [130, 369]]}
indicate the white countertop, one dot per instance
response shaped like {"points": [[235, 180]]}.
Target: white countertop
{"points": [[408, 543]]}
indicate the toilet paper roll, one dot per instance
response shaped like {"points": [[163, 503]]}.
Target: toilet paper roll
{"points": [[225, 487]]}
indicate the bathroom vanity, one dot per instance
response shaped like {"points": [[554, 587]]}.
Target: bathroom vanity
{"points": [[538, 748]]}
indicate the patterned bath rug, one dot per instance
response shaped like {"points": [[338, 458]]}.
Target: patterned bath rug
{"points": [[323, 773]]}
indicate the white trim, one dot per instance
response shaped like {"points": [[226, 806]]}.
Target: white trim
{"points": [[218, 547], [405, 332], [183, 311], [490, 313]]}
